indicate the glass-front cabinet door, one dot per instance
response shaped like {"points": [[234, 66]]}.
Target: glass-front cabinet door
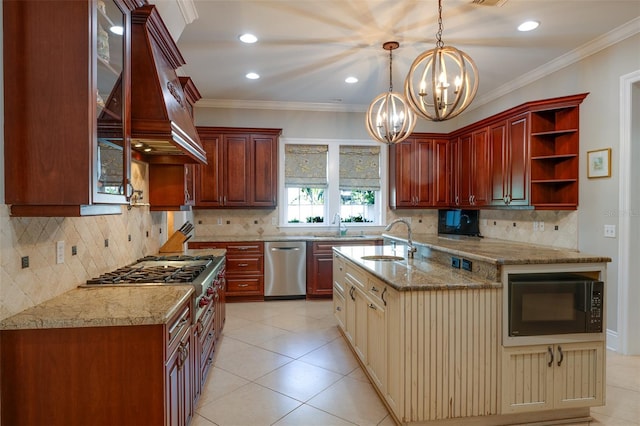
{"points": [[112, 156]]}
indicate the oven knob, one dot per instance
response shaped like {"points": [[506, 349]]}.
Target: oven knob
{"points": [[210, 291], [203, 302]]}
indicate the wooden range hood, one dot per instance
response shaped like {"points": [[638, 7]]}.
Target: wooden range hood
{"points": [[160, 112]]}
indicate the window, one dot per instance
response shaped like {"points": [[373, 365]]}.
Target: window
{"points": [[322, 179], [305, 183]]}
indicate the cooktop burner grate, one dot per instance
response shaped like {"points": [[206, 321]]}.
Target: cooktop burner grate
{"points": [[151, 274]]}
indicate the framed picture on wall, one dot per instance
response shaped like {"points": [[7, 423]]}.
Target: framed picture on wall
{"points": [[599, 163]]}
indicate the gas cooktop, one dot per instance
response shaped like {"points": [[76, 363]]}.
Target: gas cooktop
{"points": [[178, 269]]}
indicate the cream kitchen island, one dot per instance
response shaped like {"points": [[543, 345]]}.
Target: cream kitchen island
{"points": [[433, 338]]}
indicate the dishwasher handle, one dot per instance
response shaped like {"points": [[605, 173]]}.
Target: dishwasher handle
{"points": [[284, 248]]}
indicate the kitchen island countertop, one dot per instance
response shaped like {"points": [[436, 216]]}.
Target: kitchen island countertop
{"points": [[411, 274]]}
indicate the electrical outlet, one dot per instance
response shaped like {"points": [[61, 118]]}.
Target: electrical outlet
{"points": [[219, 221], [536, 225], [74, 250], [274, 221], [60, 252], [106, 242], [466, 264], [610, 231], [455, 262], [25, 261], [541, 226]]}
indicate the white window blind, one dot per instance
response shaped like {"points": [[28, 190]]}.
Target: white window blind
{"points": [[360, 167], [305, 166]]}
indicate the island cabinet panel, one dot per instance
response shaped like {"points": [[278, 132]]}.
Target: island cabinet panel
{"points": [[545, 377], [452, 359], [431, 355], [241, 170], [120, 375]]}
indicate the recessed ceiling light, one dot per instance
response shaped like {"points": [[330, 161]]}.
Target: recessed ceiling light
{"points": [[351, 80], [252, 76], [117, 29], [528, 25], [248, 38]]}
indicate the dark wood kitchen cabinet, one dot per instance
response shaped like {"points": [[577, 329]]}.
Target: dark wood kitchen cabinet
{"points": [[101, 376], [509, 152], [320, 264], [555, 153], [472, 169], [242, 169], [418, 175], [244, 274], [66, 123]]}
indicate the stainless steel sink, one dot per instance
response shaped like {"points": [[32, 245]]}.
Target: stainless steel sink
{"points": [[383, 257]]}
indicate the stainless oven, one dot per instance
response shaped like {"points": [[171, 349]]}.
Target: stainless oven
{"points": [[554, 304]]}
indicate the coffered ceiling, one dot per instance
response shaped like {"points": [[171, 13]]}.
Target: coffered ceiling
{"points": [[307, 48]]}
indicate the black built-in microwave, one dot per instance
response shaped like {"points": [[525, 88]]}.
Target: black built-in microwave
{"points": [[554, 303]]}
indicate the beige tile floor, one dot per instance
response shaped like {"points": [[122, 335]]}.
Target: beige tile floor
{"points": [[285, 363]]}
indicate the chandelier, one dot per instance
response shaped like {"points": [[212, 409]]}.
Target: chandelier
{"points": [[442, 81], [389, 118]]}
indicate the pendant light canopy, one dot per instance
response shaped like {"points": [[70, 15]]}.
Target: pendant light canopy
{"points": [[442, 81], [389, 118]]}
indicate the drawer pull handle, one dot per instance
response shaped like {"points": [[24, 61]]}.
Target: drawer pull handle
{"points": [[561, 355], [550, 354], [374, 289], [243, 285], [243, 264], [177, 326], [372, 306], [382, 296]]}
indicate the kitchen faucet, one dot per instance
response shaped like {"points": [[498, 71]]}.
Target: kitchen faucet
{"points": [[410, 248], [342, 228]]}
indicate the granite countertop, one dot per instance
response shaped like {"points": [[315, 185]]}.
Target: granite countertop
{"points": [[501, 252], [411, 274], [234, 238], [104, 306]]}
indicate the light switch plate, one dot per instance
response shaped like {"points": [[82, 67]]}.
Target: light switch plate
{"points": [[610, 231]]}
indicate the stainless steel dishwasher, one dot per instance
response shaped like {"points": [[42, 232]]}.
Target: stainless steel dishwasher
{"points": [[285, 269]]}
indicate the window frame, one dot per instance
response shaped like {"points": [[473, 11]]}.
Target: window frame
{"points": [[332, 195]]}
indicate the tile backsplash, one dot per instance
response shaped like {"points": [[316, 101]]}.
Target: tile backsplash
{"points": [[549, 228]]}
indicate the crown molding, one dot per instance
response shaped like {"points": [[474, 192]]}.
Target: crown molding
{"points": [[188, 10], [617, 35], [273, 105]]}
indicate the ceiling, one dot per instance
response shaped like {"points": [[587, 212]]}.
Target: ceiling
{"points": [[307, 48]]}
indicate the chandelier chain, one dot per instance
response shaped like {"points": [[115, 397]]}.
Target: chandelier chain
{"points": [[439, 42], [390, 70]]}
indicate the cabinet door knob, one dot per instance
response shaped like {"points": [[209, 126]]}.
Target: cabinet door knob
{"points": [[372, 306], [373, 288]]}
